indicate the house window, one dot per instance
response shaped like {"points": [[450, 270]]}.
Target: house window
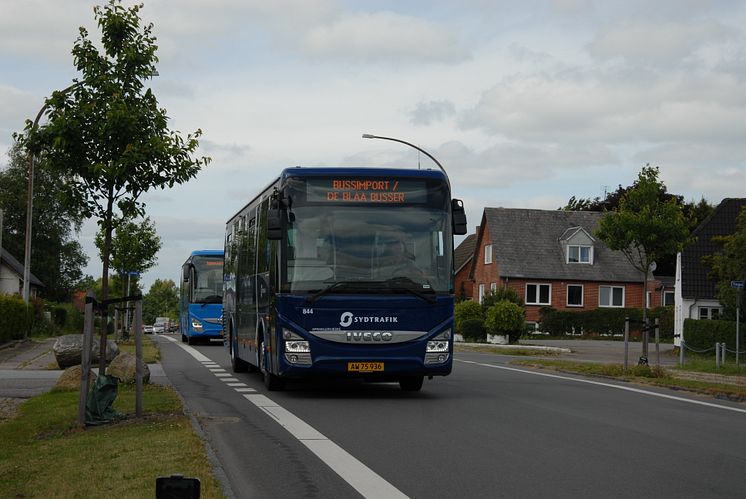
{"points": [[493, 287], [488, 254], [579, 254], [668, 298], [574, 295], [538, 294], [611, 296], [711, 313], [481, 293], [648, 299]]}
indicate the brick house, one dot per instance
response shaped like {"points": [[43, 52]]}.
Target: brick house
{"points": [[696, 292], [551, 258], [463, 285]]}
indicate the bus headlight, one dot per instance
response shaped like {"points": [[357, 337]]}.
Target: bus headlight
{"points": [[438, 349], [297, 350], [196, 324]]}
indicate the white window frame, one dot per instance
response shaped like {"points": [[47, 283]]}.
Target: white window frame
{"points": [[673, 300], [538, 293], [481, 293], [580, 246], [582, 295], [493, 287], [649, 299], [709, 314], [487, 254], [611, 296]]}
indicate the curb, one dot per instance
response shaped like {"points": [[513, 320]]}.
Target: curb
{"points": [[516, 347]]}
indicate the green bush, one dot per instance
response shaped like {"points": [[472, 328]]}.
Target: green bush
{"points": [[473, 330], [603, 321], [464, 311], [505, 318], [703, 334], [503, 293], [15, 318]]}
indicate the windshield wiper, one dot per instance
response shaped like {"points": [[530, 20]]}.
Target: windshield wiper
{"points": [[405, 284], [328, 289], [211, 299]]}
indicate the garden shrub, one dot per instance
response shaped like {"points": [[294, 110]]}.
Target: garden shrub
{"points": [[602, 321], [505, 318], [15, 318], [503, 293], [473, 331], [466, 310], [703, 334]]}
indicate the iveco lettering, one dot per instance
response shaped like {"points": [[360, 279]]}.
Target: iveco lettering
{"points": [[343, 272]]}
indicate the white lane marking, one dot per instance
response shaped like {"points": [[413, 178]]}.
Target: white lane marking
{"points": [[367, 482], [217, 370], [363, 479], [244, 390], [608, 385], [237, 384], [223, 375], [228, 379]]}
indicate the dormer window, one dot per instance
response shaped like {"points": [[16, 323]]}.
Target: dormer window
{"points": [[579, 254]]}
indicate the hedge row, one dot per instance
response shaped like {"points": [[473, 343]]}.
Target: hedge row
{"points": [[603, 321], [703, 334], [16, 318]]}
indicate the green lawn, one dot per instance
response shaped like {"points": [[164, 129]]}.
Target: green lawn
{"points": [[44, 454]]}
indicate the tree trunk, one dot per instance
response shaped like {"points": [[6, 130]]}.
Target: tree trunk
{"points": [[105, 280], [645, 333]]}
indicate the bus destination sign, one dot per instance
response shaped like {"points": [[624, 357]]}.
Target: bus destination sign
{"points": [[366, 190]]}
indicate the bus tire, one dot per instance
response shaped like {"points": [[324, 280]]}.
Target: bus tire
{"points": [[183, 338], [271, 381], [238, 365], [411, 383]]}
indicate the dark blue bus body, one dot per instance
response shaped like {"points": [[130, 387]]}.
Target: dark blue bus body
{"points": [[343, 272]]}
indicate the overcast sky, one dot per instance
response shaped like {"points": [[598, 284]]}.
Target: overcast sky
{"points": [[526, 103]]}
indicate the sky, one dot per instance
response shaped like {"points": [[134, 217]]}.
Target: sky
{"points": [[525, 103]]}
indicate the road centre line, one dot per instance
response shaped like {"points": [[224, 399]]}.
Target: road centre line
{"points": [[363, 479], [608, 385]]}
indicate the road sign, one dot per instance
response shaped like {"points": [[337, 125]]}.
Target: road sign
{"points": [[736, 284]]}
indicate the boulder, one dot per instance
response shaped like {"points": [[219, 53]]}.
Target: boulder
{"points": [[123, 368], [67, 350], [70, 378]]}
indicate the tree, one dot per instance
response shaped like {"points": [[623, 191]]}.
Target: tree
{"points": [[107, 132], [645, 228], [730, 265], [506, 318], [133, 248], [161, 301], [57, 259]]}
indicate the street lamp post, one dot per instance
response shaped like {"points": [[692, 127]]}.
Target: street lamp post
{"points": [[30, 202], [370, 136]]}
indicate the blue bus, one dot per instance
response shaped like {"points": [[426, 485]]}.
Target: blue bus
{"points": [[343, 272], [201, 297]]}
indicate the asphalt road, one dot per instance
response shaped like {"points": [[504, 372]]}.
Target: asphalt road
{"points": [[488, 430]]}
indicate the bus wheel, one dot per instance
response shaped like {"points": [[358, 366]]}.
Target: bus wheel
{"points": [[238, 365], [271, 381], [183, 338], [411, 383]]}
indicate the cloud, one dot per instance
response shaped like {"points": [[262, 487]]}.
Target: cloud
{"points": [[428, 112], [383, 36], [659, 43]]}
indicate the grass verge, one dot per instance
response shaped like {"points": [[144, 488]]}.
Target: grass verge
{"points": [[150, 351], [640, 374], [518, 352], [44, 454]]}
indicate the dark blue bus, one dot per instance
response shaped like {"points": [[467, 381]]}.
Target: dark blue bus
{"points": [[343, 272], [201, 300]]}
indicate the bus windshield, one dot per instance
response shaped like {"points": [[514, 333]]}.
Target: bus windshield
{"points": [[368, 248], [208, 279]]}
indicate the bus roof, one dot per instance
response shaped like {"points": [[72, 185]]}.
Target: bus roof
{"points": [[319, 171], [207, 253]]}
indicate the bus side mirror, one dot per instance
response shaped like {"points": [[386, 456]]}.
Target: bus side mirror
{"points": [[274, 223], [459, 217], [187, 270]]}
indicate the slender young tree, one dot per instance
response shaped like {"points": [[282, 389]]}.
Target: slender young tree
{"points": [[645, 228], [107, 130]]}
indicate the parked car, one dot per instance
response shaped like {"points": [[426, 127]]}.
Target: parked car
{"points": [[161, 324], [147, 329]]}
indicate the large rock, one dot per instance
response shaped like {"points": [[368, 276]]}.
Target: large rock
{"points": [[68, 349], [70, 379], [123, 368]]}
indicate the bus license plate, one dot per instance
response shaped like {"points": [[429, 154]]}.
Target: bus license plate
{"points": [[364, 367]]}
